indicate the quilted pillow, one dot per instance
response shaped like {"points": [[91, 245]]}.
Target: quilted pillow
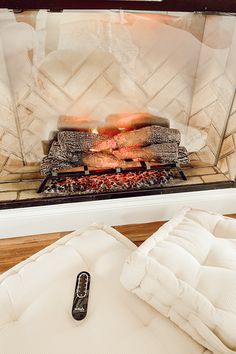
{"points": [[187, 271]]}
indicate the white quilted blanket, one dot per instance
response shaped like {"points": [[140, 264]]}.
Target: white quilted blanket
{"points": [[36, 299], [187, 271]]}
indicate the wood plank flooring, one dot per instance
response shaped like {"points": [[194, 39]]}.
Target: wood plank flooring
{"points": [[17, 249]]}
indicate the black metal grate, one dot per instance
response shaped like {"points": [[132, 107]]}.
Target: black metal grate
{"points": [[112, 180]]}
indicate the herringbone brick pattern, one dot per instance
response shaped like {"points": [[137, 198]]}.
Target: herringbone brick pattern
{"points": [[102, 67], [10, 151], [97, 64], [214, 90]]}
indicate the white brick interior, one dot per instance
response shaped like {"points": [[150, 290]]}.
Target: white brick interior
{"points": [[179, 66]]}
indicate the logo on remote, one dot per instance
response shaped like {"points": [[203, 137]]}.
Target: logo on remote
{"points": [[81, 309]]}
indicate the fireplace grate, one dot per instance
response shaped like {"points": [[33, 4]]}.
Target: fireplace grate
{"points": [[111, 180]]}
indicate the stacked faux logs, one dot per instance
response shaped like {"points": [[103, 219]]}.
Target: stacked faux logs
{"points": [[121, 141]]}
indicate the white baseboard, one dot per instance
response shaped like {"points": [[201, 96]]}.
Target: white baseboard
{"points": [[63, 217]]}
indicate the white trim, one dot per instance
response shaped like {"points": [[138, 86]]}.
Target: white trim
{"points": [[70, 216]]}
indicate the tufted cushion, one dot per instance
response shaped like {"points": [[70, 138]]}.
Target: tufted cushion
{"points": [[36, 298], [187, 271]]}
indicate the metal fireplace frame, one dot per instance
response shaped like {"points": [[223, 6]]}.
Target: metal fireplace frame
{"points": [[57, 199], [203, 6], [226, 6]]}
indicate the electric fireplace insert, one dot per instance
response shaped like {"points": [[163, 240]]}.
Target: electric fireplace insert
{"points": [[115, 99]]}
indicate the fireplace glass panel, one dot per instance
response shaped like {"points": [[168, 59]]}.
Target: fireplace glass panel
{"points": [[94, 64]]}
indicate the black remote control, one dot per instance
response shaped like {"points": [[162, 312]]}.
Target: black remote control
{"points": [[80, 302]]}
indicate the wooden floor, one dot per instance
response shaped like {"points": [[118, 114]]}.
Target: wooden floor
{"points": [[15, 250]]}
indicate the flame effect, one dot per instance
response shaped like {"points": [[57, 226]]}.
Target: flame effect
{"points": [[107, 183]]}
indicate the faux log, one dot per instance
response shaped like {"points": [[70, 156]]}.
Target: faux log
{"points": [[62, 154], [49, 165], [73, 149], [108, 130], [141, 137], [183, 156], [74, 141], [103, 160], [93, 159], [59, 159], [76, 123], [131, 121], [164, 153], [114, 122]]}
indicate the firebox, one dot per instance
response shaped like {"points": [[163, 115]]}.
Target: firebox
{"points": [[115, 98]]}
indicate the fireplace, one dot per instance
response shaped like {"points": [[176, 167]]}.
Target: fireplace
{"points": [[99, 103]]}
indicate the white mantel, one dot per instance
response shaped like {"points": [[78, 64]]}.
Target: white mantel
{"points": [[70, 216]]}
